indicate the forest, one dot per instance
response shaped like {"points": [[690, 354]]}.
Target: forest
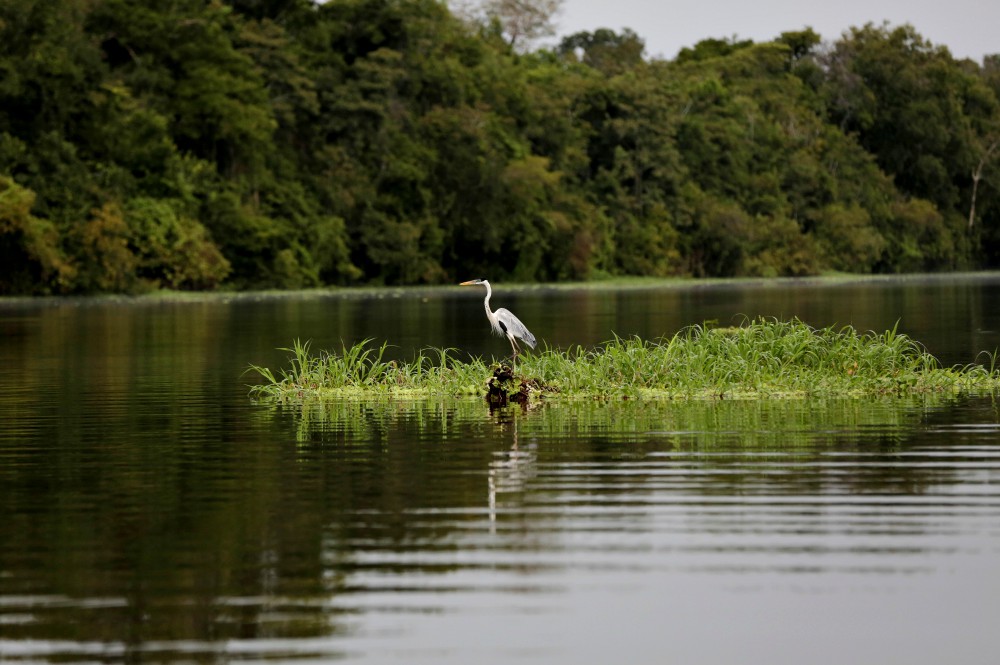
{"points": [[283, 144]]}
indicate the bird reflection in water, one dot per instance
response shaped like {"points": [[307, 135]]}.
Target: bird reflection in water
{"points": [[511, 470]]}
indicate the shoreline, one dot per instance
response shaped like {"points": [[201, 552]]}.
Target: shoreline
{"points": [[424, 291]]}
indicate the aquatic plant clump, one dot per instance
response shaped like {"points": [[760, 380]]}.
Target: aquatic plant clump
{"points": [[761, 358]]}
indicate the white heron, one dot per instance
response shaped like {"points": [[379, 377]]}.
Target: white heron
{"points": [[502, 321]]}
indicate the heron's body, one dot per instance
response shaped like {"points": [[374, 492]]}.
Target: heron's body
{"points": [[503, 322]]}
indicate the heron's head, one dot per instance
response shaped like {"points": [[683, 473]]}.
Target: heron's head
{"points": [[473, 282]]}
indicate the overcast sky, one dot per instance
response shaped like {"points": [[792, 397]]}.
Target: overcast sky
{"points": [[969, 28]]}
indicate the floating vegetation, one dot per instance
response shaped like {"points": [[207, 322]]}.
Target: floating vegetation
{"points": [[763, 358]]}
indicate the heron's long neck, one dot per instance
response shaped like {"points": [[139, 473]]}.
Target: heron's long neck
{"points": [[486, 301]]}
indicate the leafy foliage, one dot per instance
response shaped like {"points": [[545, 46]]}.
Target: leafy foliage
{"points": [[193, 145], [29, 247]]}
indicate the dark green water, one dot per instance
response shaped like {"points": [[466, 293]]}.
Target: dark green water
{"points": [[150, 512]]}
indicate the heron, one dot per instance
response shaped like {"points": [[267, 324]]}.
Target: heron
{"points": [[503, 322]]}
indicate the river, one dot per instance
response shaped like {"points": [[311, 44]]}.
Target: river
{"points": [[150, 511]]}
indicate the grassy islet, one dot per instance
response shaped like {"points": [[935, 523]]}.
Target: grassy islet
{"points": [[762, 358]]}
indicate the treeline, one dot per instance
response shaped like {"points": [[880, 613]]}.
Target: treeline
{"points": [[192, 145]]}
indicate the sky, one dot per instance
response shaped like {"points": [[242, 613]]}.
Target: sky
{"points": [[969, 28]]}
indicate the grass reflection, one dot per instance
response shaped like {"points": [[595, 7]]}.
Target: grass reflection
{"points": [[756, 424]]}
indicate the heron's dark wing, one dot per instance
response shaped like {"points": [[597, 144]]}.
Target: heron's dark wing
{"points": [[513, 326]]}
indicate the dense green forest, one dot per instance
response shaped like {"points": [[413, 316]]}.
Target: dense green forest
{"points": [[286, 143]]}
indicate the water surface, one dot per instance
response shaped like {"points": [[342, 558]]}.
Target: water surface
{"points": [[150, 511]]}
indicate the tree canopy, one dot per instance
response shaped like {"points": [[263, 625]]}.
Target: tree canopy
{"points": [[287, 143]]}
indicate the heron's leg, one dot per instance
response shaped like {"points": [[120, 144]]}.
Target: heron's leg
{"points": [[513, 345]]}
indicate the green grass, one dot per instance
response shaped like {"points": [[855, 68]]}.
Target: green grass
{"points": [[362, 370], [761, 358]]}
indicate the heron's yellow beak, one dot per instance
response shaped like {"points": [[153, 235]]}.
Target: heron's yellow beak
{"points": [[471, 282]]}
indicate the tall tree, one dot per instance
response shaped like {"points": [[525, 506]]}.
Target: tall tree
{"points": [[610, 52], [523, 21]]}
